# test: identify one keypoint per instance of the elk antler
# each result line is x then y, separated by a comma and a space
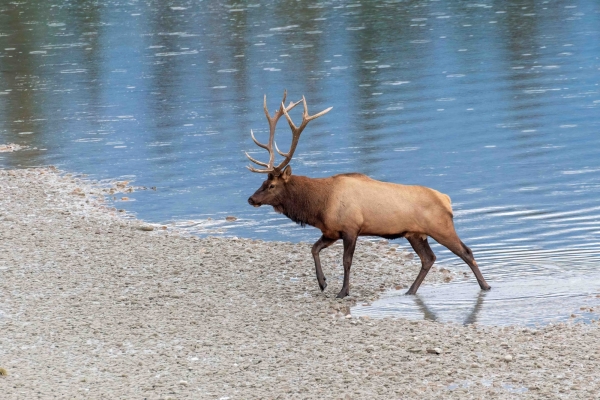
269, 146
296, 131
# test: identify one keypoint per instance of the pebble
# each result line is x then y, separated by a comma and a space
508, 358
147, 228
231, 218
9, 148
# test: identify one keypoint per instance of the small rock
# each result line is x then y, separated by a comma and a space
78, 191
414, 350
230, 218
124, 198
348, 316
435, 350
183, 383
146, 228
9, 148
508, 358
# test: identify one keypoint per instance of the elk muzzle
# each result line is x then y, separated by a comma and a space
252, 202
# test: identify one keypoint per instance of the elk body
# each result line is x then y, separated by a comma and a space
347, 206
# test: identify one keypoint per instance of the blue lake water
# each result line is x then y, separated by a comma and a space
496, 103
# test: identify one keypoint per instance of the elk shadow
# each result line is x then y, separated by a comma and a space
471, 318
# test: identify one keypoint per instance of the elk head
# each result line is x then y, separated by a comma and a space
271, 191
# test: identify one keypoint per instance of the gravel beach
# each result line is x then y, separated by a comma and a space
96, 305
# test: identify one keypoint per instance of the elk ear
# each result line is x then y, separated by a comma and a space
286, 173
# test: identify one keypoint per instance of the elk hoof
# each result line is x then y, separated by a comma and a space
341, 294
410, 292
323, 286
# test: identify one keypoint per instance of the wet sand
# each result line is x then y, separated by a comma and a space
95, 305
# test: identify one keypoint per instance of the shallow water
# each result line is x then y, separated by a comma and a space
531, 301
494, 103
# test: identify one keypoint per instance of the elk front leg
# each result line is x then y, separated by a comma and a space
349, 246
319, 245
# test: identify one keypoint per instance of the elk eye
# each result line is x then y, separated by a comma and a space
271, 186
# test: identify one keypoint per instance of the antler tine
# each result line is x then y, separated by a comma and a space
265, 104
279, 151
256, 161
276, 116
309, 118
263, 171
259, 144
319, 114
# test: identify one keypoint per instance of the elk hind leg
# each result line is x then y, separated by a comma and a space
421, 247
455, 245
319, 245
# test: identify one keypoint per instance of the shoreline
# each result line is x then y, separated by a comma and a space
96, 305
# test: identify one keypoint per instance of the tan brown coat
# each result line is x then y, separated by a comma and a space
347, 206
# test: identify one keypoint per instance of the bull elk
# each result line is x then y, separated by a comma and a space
347, 206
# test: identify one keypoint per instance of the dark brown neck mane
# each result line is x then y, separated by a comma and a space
305, 199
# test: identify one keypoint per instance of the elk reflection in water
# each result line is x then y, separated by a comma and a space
537, 300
